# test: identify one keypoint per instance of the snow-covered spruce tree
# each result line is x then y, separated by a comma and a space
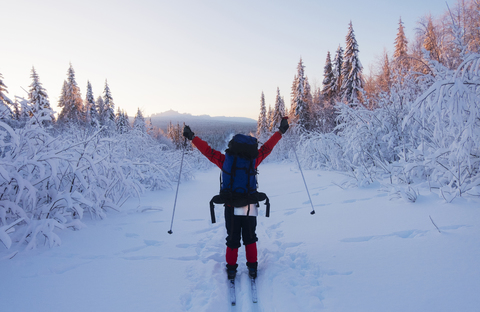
401, 43
92, 116
384, 78
101, 110
328, 83
337, 66
299, 102
5, 102
139, 123
71, 101
278, 111
108, 112
352, 83
310, 114
121, 122
262, 123
41, 111
430, 42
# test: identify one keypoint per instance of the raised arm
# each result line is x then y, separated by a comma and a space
213, 155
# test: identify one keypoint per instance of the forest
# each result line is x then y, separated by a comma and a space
414, 119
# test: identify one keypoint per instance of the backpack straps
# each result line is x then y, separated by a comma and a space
218, 199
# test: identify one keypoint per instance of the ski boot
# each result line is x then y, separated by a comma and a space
231, 271
252, 269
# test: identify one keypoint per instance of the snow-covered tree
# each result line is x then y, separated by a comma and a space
71, 101
270, 118
384, 79
41, 112
352, 83
5, 102
108, 112
337, 66
401, 43
92, 116
139, 123
175, 134
262, 123
328, 84
278, 111
430, 42
121, 122
299, 100
310, 112
101, 110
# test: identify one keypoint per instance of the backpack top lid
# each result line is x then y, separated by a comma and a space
244, 146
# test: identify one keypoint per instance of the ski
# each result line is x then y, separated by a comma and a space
233, 298
253, 283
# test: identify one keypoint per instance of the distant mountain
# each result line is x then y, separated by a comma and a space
204, 123
175, 117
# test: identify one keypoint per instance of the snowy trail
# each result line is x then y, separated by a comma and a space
359, 252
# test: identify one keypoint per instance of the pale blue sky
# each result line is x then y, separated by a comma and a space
201, 57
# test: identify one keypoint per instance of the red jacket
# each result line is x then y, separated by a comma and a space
218, 158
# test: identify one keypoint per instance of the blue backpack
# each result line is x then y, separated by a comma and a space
238, 180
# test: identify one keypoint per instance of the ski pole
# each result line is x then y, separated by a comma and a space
306, 187
178, 184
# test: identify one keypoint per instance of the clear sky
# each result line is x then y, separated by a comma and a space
210, 57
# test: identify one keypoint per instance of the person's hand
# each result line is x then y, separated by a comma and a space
188, 133
283, 125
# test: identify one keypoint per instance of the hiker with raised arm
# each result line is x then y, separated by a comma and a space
238, 191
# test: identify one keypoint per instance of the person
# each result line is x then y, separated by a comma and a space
238, 223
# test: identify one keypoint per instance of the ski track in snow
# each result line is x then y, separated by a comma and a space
343, 258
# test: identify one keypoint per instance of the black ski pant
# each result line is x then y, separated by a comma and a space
239, 227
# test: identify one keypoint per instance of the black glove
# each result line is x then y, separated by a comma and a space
188, 133
283, 125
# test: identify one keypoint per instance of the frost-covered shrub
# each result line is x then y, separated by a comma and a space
318, 150
49, 183
426, 128
447, 117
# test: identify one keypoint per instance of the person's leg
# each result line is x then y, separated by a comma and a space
250, 239
251, 252
233, 228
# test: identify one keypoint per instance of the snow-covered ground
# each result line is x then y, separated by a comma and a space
361, 251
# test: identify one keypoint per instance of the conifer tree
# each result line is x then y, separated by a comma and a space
15, 111
328, 90
101, 110
401, 43
352, 82
5, 102
270, 118
299, 101
385, 77
62, 100
430, 41
309, 112
121, 122
337, 72
92, 116
71, 100
278, 111
41, 111
139, 123
262, 123
108, 116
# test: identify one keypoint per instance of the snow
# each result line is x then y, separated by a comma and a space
361, 251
